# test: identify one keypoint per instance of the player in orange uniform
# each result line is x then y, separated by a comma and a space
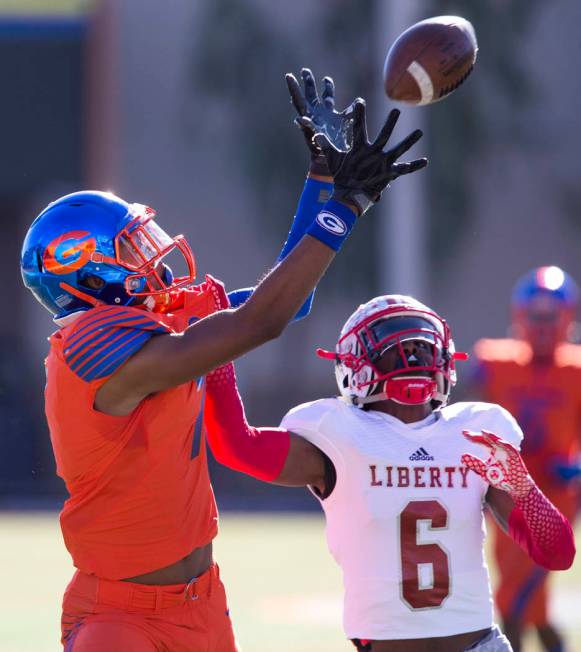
125, 388
537, 378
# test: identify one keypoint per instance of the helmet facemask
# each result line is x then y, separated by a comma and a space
141, 247
401, 352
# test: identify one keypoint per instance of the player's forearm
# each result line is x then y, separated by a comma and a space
534, 522
259, 452
317, 190
542, 531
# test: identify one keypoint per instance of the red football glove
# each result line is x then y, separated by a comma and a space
504, 469
535, 523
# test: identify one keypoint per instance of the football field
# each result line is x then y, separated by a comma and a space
284, 589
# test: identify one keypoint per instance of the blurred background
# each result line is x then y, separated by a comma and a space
182, 106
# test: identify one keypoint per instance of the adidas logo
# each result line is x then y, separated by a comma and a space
421, 455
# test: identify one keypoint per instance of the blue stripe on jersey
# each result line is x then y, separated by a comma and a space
96, 353
526, 593
95, 349
138, 322
111, 362
87, 320
197, 438
90, 345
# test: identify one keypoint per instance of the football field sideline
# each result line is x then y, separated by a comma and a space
284, 588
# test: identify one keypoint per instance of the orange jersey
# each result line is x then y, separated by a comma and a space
546, 401
140, 494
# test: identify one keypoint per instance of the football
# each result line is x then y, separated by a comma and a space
430, 60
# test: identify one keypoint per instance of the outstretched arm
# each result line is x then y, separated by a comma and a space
270, 454
165, 361
520, 506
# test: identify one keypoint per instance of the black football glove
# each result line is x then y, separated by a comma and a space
318, 115
362, 173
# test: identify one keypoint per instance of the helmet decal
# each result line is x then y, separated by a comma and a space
69, 252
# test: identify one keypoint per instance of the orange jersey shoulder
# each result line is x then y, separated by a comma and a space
569, 355
502, 350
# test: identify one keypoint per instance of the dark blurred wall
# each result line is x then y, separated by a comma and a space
41, 148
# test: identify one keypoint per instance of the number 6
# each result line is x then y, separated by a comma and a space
418, 556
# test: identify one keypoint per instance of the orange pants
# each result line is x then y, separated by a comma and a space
521, 594
113, 616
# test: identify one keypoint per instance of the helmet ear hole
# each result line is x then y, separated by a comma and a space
92, 282
39, 261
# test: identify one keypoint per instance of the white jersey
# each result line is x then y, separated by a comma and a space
405, 519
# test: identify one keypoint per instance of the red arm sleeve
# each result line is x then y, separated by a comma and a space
542, 531
259, 452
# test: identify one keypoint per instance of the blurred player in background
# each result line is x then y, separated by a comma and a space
126, 389
391, 464
537, 377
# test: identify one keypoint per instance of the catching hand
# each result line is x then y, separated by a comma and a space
363, 172
318, 115
504, 469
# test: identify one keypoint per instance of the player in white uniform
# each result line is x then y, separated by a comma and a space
402, 485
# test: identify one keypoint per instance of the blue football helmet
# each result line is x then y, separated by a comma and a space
550, 281
544, 303
90, 248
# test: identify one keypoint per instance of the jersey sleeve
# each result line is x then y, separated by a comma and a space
101, 340
310, 421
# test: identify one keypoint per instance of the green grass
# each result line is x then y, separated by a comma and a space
284, 589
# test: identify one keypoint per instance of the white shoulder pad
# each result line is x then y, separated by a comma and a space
317, 422
478, 416
306, 416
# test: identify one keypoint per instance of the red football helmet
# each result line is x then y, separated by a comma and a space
375, 328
